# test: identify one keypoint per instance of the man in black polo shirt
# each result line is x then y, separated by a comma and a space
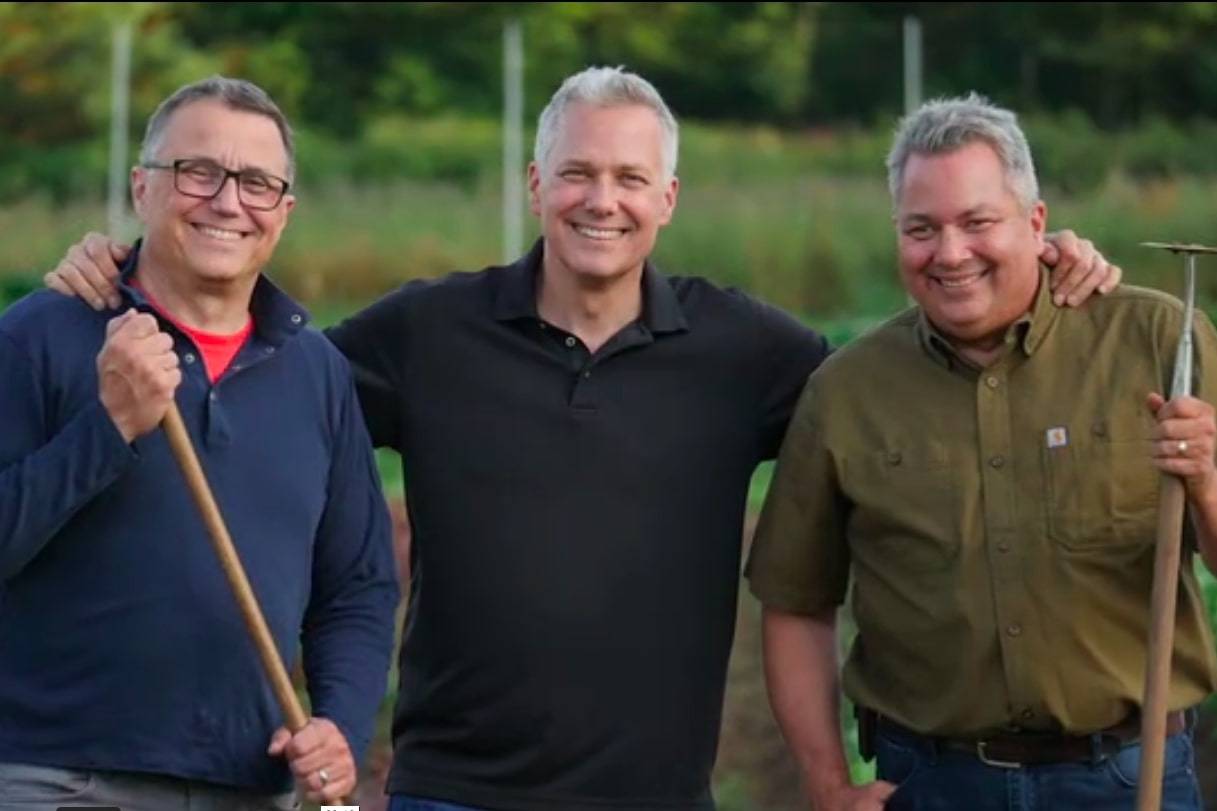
578, 432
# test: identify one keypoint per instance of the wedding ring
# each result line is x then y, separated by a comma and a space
1182, 447
323, 776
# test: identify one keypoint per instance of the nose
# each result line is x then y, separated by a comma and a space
601, 197
952, 250
227, 200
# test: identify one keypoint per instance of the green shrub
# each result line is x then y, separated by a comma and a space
1072, 154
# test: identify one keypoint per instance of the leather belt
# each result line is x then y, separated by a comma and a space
1015, 750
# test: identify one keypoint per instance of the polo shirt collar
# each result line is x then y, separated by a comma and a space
517, 294
1028, 332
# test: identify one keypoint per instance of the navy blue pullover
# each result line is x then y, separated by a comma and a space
121, 646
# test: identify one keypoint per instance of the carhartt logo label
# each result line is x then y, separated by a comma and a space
1057, 437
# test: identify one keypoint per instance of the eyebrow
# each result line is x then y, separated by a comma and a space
210, 159
983, 209
578, 163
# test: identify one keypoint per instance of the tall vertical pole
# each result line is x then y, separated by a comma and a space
120, 92
912, 74
912, 64
513, 140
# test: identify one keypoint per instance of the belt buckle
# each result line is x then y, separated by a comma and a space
982, 754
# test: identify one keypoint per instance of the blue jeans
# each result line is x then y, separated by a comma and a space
932, 777
400, 802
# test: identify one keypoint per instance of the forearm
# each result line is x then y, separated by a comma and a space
801, 674
346, 662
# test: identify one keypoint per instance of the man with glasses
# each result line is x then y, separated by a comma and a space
127, 678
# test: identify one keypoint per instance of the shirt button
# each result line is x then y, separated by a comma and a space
1003, 547
296, 319
997, 461
213, 397
992, 382
1028, 714
894, 458
542, 325
270, 350
1099, 429
1014, 629
570, 341
586, 375
188, 357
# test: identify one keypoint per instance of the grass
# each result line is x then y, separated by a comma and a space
821, 247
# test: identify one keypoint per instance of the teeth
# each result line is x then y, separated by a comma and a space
219, 233
959, 281
599, 233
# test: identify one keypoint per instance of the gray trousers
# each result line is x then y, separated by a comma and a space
44, 788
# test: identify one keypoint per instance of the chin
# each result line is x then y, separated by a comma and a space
220, 273
601, 275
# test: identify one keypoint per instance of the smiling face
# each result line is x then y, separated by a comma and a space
968, 248
216, 241
602, 194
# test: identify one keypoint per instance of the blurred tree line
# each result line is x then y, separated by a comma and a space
360, 73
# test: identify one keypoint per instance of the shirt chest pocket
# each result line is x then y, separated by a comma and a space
1100, 494
906, 507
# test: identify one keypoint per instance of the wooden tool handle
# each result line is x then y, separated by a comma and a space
183, 450
1160, 643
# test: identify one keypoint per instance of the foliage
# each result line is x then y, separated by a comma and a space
357, 78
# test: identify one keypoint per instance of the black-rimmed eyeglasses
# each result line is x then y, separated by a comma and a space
203, 178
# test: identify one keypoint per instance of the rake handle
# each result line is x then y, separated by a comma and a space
255, 622
1160, 643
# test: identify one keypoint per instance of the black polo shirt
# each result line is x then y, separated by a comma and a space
576, 527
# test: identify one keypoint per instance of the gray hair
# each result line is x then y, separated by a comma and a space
606, 87
944, 125
236, 94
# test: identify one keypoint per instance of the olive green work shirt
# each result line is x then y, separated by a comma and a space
999, 523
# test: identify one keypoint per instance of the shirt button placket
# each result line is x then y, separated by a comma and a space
1000, 525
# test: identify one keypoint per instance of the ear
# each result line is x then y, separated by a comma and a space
288, 203
669, 200
534, 185
1039, 222
139, 189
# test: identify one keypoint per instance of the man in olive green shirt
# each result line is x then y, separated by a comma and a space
985, 466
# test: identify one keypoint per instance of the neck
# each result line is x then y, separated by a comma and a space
985, 350
217, 307
592, 310
983, 355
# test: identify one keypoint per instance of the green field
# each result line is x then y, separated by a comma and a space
821, 247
